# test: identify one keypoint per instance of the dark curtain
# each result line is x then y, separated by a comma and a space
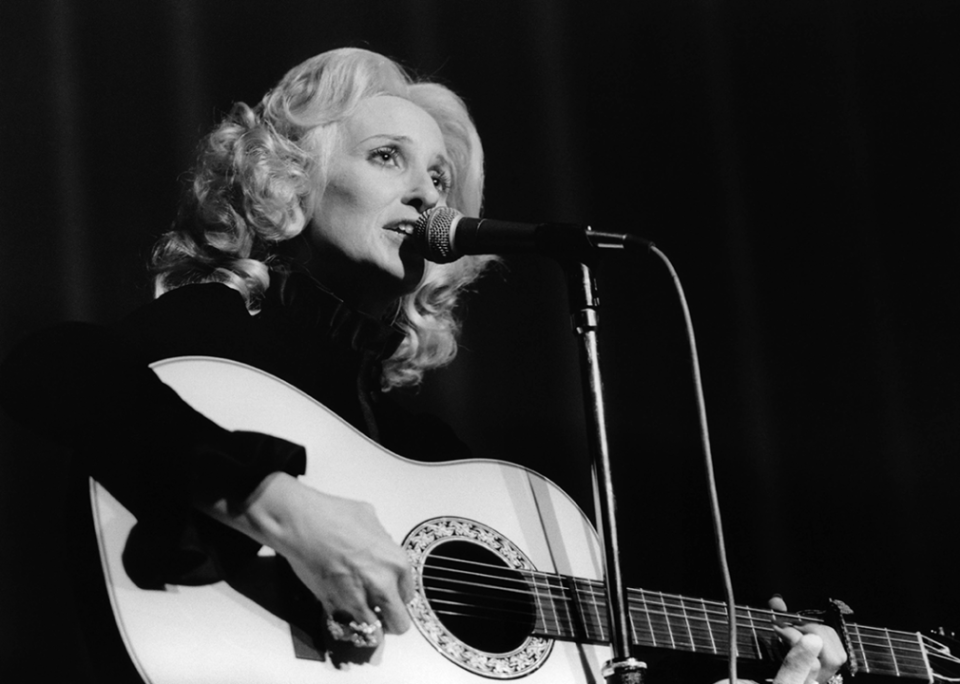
798, 162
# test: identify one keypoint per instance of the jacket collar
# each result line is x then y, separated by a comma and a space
314, 308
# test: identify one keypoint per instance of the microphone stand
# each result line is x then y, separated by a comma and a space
584, 306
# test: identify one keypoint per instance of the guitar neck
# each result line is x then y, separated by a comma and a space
575, 610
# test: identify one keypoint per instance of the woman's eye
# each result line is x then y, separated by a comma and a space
442, 182
385, 155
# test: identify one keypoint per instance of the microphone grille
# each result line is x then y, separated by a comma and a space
433, 234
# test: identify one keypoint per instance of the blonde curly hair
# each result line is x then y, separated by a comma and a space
259, 169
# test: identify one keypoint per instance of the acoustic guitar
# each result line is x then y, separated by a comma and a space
508, 569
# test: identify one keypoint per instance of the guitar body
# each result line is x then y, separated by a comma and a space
215, 633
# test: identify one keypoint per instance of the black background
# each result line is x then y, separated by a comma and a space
797, 161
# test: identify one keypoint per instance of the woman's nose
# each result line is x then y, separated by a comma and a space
423, 193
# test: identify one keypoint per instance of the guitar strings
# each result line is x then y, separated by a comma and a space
882, 661
551, 614
675, 616
590, 590
594, 589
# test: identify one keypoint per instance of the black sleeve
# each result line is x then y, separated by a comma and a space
90, 388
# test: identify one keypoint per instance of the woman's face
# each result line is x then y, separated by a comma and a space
390, 165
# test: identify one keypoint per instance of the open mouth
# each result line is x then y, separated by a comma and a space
402, 227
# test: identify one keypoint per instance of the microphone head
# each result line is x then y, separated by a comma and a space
433, 234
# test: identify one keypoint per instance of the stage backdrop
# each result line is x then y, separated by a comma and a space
798, 162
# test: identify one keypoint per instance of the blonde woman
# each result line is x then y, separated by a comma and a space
289, 253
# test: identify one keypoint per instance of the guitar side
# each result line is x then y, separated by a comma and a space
213, 633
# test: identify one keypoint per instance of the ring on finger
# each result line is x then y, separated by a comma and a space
360, 634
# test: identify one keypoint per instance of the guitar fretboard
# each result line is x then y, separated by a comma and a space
575, 609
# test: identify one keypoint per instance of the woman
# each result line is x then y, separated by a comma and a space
290, 253
340, 159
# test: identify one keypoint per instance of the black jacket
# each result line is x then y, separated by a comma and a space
92, 389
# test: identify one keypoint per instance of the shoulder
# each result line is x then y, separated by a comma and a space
198, 300
205, 319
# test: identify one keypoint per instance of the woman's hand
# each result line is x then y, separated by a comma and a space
801, 664
816, 652
336, 546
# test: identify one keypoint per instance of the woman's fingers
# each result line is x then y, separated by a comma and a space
391, 589
777, 603
802, 662
380, 578
832, 656
393, 612
830, 652
366, 595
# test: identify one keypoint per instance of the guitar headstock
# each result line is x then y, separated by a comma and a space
944, 664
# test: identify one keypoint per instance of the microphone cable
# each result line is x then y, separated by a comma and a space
708, 462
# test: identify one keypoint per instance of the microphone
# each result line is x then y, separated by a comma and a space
443, 234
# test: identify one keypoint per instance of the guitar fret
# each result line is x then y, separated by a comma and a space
748, 637
896, 667
598, 604
590, 609
652, 641
633, 637
677, 619
665, 619
717, 616
854, 631
549, 611
601, 619
538, 599
576, 624
880, 653
574, 618
580, 597
554, 590
706, 620
698, 621
760, 640
589, 626
723, 636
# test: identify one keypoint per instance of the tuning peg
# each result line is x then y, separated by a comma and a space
949, 633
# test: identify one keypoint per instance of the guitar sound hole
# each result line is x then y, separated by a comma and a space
478, 598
